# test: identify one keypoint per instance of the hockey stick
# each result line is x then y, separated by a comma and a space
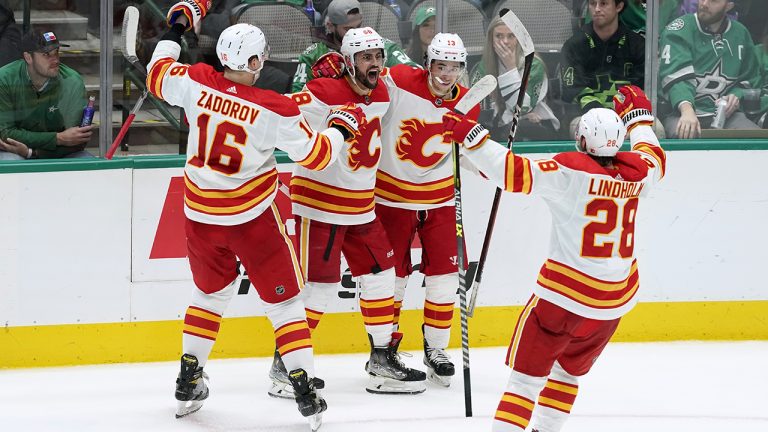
130, 30
526, 44
474, 96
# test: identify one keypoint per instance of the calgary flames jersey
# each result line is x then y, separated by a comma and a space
230, 176
343, 193
416, 171
591, 270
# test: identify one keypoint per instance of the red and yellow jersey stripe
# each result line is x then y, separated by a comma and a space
329, 198
156, 74
586, 290
518, 177
656, 153
392, 189
219, 202
320, 155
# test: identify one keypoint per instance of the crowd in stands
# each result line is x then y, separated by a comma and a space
709, 51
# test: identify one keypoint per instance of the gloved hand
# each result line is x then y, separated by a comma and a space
464, 131
329, 65
633, 106
194, 10
347, 118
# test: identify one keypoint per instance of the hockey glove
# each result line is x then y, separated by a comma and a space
194, 10
633, 106
347, 119
329, 65
465, 131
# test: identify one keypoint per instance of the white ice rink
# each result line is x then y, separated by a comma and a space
659, 387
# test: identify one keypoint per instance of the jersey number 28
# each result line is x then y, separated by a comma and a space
613, 214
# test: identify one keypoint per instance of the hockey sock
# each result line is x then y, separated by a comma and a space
202, 321
438, 309
292, 336
200, 330
400, 284
316, 298
555, 400
377, 304
516, 406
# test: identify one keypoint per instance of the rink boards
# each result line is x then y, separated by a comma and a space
93, 266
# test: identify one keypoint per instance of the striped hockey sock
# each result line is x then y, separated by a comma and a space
201, 327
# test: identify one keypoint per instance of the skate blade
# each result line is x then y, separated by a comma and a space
281, 391
315, 421
443, 381
383, 385
186, 408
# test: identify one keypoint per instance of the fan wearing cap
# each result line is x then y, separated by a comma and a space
340, 17
423, 32
41, 103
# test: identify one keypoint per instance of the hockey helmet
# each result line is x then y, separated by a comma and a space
360, 39
238, 44
447, 47
603, 132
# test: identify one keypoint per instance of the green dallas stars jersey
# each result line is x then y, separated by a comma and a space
700, 67
395, 56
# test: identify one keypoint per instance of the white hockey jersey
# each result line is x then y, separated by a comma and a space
343, 193
416, 170
591, 270
230, 176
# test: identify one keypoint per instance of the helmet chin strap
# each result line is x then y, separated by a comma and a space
437, 78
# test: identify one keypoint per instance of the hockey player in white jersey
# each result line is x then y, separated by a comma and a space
230, 184
414, 184
334, 211
590, 279
414, 188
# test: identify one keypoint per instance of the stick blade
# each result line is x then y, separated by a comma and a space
517, 27
476, 94
130, 31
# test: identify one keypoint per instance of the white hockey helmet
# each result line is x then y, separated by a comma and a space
238, 44
603, 132
360, 39
447, 47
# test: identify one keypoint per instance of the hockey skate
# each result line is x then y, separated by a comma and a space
440, 369
281, 385
191, 387
387, 373
311, 405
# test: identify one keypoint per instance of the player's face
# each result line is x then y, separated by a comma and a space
503, 37
44, 64
427, 31
445, 74
604, 12
368, 65
712, 11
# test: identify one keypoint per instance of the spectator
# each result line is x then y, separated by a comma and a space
706, 57
761, 51
42, 101
503, 58
10, 37
633, 16
600, 58
340, 17
423, 32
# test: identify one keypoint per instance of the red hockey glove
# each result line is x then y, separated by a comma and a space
194, 10
466, 132
329, 65
347, 118
633, 106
